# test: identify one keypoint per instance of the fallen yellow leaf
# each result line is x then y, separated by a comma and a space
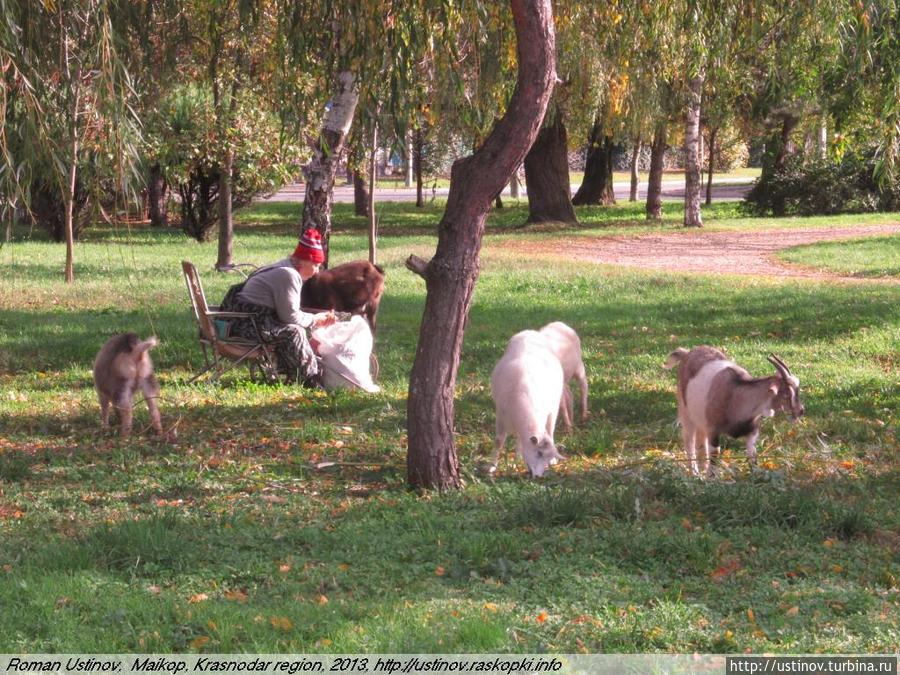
751, 616
238, 596
490, 606
542, 617
198, 597
793, 611
322, 600
281, 622
439, 571
198, 642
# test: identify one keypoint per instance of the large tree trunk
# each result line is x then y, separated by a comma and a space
450, 275
597, 184
654, 180
157, 197
635, 169
327, 154
712, 158
226, 216
547, 175
692, 181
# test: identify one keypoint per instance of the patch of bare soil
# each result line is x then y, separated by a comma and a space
710, 252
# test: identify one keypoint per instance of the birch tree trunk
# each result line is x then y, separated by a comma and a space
692, 181
409, 159
451, 274
327, 154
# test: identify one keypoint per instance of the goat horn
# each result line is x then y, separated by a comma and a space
780, 365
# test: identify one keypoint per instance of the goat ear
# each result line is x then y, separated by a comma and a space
534, 440
773, 388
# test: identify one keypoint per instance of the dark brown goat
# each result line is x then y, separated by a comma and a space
354, 287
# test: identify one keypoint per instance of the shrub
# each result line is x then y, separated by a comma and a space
823, 187
186, 143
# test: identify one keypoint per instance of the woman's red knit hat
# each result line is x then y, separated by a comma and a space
310, 247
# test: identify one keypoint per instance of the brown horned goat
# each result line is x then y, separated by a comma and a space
354, 287
716, 396
121, 369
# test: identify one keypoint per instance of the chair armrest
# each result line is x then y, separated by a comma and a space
229, 315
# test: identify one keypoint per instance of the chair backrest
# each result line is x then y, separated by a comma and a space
198, 301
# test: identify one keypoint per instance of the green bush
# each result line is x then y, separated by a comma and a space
823, 187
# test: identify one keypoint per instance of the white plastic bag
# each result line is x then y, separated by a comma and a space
345, 348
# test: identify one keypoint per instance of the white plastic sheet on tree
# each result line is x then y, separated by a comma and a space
346, 348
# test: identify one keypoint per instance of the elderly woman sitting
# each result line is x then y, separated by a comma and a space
272, 295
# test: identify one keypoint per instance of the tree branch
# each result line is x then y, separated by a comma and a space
416, 264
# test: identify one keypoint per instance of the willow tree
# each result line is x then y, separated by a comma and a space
67, 91
451, 273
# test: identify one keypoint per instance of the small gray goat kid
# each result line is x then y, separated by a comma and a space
716, 396
123, 367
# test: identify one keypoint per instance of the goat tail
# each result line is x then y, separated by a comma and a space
676, 357
145, 346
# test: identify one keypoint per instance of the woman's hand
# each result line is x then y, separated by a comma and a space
324, 319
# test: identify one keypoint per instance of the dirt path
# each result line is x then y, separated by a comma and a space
722, 252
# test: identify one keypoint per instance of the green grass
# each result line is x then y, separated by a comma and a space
870, 257
232, 540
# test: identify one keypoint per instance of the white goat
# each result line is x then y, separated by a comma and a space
565, 343
526, 386
716, 396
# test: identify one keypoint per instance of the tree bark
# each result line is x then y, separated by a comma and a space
158, 205
451, 274
597, 184
70, 209
654, 181
419, 144
692, 216
373, 180
823, 140
409, 158
547, 175
788, 123
327, 154
226, 216
360, 194
712, 153
635, 172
